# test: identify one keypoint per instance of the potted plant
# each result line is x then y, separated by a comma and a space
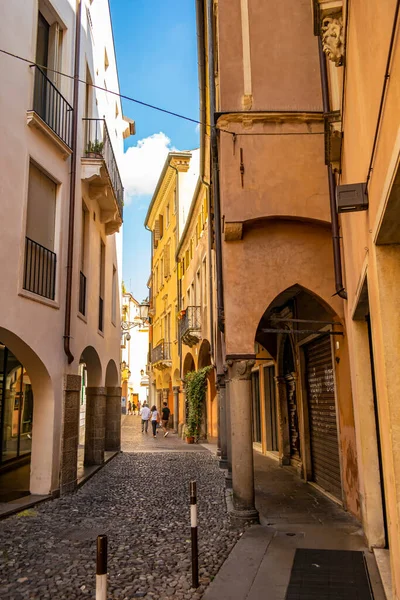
95, 149
196, 386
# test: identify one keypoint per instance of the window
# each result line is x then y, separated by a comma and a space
198, 289
49, 43
114, 297
161, 225
204, 283
191, 249
167, 216
40, 258
156, 279
167, 261
106, 61
175, 200
101, 284
82, 276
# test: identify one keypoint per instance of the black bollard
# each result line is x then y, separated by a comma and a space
101, 568
193, 525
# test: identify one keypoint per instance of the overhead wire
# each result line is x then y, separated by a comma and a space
152, 106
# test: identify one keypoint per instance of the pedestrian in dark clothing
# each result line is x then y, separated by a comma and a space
165, 418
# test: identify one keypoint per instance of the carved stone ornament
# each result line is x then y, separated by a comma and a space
333, 38
240, 369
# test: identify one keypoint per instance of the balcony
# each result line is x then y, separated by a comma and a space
100, 170
190, 325
39, 270
51, 113
161, 356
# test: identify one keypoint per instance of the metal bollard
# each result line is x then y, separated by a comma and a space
101, 568
193, 525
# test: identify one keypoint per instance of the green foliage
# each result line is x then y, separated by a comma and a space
196, 386
95, 147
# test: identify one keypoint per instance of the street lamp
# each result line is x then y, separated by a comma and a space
139, 321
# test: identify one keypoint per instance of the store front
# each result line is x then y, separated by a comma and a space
16, 409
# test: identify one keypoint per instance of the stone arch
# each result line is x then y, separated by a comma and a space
43, 469
204, 359
93, 366
176, 379
112, 375
188, 364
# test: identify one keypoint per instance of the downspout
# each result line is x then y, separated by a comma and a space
337, 262
203, 117
215, 170
71, 224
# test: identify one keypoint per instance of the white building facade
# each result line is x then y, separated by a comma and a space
62, 202
135, 348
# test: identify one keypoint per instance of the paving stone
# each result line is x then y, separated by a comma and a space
140, 500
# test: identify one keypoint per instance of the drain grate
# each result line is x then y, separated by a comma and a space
328, 575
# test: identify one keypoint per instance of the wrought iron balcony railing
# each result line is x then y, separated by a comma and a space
39, 269
98, 145
161, 352
52, 107
82, 293
190, 320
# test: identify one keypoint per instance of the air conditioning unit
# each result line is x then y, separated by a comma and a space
351, 197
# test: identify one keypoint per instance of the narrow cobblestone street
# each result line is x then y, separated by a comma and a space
140, 500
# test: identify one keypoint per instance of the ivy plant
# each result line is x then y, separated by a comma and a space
196, 387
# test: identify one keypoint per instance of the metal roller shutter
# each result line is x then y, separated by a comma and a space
322, 415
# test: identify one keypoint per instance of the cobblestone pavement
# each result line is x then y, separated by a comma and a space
140, 500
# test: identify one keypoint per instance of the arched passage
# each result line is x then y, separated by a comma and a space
113, 409
94, 396
27, 416
210, 414
188, 366
304, 402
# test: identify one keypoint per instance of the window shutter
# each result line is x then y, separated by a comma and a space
161, 225
167, 261
156, 233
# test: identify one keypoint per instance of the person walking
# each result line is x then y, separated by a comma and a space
145, 414
155, 419
165, 418
129, 407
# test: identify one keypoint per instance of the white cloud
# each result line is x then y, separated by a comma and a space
141, 165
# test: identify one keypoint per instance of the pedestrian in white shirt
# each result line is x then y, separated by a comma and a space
155, 419
145, 414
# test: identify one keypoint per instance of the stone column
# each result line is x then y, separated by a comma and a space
70, 436
283, 422
240, 398
165, 394
159, 400
228, 476
175, 390
222, 425
95, 434
113, 419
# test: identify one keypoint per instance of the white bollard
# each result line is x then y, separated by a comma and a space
101, 568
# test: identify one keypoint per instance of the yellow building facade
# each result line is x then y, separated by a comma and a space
195, 276
162, 220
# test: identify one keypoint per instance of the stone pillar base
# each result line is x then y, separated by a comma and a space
113, 419
223, 463
70, 435
95, 425
238, 518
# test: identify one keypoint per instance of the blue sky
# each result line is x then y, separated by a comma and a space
156, 51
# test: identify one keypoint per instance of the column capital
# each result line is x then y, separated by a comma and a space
220, 383
176, 389
240, 369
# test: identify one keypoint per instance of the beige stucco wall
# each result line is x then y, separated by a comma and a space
32, 321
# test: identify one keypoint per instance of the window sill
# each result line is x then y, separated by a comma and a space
82, 317
101, 333
33, 120
41, 299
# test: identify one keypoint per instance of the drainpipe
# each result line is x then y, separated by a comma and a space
340, 291
71, 225
215, 171
203, 117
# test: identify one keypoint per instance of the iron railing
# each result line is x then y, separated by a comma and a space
161, 352
101, 313
98, 145
82, 293
39, 270
190, 320
52, 107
